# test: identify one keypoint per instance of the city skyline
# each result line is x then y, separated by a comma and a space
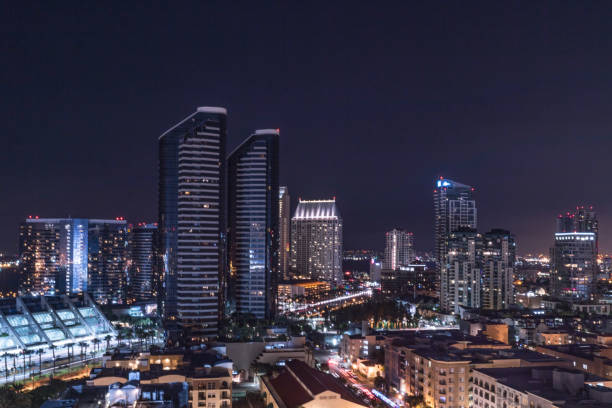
517, 97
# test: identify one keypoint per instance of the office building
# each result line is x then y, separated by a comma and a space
454, 207
316, 241
143, 280
405, 281
583, 219
399, 249
498, 258
573, 265
192, 222
460, 280
253, 221
284, 231
73, 255
108, 255
375, 270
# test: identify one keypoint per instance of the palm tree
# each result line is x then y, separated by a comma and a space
14, 366
108, 338
52, 347
30, 352
40, 353
83, 345
68, 347
96, 342
5, 356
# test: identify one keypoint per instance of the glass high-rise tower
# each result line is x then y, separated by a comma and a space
498, 258
253, 221
460, 277
74, 255
143, 283
108, 254
574, 254
454, 208
284, 231
192, 221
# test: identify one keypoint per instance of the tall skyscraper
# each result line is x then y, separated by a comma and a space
39, 254
399, 249
143, 283
460, 282
581, 220
454, 207
498, 257
316, 240
108, 260
74, 255
192, 222
574, 254
284, 231
253, 220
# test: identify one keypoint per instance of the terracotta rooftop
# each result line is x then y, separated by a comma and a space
298, 383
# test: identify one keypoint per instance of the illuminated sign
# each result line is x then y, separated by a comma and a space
443, 183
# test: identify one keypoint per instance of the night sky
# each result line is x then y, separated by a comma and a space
373, 104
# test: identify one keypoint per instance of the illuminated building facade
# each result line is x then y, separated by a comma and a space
191, 221
498, 258
108, 256
316, 241
39, 255
253, 223
399, 249
460, 281
454, 207
50, 324
284, 231
57, 257
143, 283
574, 264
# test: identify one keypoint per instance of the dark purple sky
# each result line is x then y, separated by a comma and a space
373, 103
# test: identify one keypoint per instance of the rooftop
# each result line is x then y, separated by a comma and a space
316, 210
298, 383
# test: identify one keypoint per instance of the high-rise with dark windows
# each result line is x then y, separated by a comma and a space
284, 232
574, 254
143, 283
454, 208
253, 223
498, 257
108, 255
192, 221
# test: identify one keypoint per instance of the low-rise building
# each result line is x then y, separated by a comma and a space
355, 347
590, 358
299, 385
437, 367
206, 375
246, 355
544, 387
369, 369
